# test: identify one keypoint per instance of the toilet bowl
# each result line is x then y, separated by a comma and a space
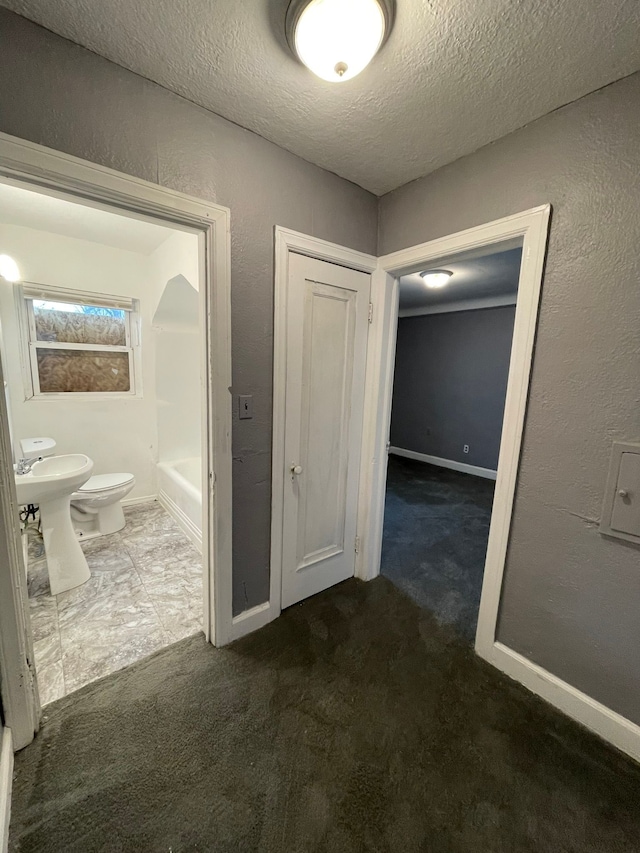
96, 509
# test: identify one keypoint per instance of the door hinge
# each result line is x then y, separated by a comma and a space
371, 312
357, 545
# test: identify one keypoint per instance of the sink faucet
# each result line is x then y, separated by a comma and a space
24, 465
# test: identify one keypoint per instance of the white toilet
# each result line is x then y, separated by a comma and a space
95, 508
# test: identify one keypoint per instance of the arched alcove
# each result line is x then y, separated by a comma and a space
176, 325
178, 308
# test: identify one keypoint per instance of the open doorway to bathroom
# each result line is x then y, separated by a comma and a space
101, 337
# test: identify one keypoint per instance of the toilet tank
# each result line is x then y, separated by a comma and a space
32, 448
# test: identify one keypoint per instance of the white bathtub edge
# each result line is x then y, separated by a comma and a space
182, 519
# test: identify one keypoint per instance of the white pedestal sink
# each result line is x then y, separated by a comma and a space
50, 484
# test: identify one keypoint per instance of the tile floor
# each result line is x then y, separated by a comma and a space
144, 593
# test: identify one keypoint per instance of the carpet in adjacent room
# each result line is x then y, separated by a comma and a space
436, 528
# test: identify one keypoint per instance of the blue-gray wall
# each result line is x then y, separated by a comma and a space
450, 383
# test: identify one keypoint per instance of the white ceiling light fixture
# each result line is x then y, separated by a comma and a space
337, 39
9, 269
436, 278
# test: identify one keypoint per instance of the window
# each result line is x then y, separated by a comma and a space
82, 345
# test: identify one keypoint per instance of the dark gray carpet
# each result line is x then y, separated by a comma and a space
436, 527
352, 723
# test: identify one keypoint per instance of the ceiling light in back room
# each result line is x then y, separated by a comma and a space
337, 39
436, 278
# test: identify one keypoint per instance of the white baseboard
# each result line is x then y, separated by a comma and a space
609, 725
145, 499
6, 779
488, 473
252, 619
182, 519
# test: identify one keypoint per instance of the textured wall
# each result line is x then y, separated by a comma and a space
63, 96
571, 597
452, 76
450, 383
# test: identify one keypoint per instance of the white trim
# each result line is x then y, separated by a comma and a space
70, 296
18, 685
287, 241
6, 780
463, 305
56, 173
487, 473
322, 250
252, 619
215, 250
608, 724
381, 348
531, 228
78, 347
182, 519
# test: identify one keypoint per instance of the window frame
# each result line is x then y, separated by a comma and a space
30, 345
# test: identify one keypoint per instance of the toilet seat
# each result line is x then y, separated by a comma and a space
104, 483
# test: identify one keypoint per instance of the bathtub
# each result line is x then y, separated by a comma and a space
180, 493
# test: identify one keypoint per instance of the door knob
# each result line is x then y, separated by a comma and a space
296, 469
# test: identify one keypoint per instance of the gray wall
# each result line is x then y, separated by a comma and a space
571, 599
450, 383
58, 94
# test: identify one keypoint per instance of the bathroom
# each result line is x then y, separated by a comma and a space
101, 345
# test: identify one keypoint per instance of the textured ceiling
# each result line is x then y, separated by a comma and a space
453, 76
58, 216
494, 275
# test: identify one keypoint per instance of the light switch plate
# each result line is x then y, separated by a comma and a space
245, 406
621, 505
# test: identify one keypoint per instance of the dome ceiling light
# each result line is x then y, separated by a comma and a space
436, 278
337, 39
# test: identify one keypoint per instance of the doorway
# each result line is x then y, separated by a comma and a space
95, 340
101, 348
523, 238
526, 231
453, 347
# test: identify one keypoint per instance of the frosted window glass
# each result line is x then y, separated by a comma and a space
78, 371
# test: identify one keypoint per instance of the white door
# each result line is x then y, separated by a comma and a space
326, 340
18, 689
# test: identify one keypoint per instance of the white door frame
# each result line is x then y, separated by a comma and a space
529, 229
54, 172
287, 241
